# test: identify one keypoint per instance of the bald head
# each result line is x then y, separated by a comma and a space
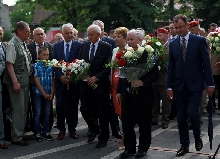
38, 34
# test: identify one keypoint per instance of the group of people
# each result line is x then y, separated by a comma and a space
180, 87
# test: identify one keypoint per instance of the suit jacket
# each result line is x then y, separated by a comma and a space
145, 92
195, 71
102, 56
58, 54
109, 41
32, 49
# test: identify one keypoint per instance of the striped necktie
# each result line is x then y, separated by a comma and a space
183, 48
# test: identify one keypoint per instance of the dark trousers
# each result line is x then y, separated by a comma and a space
6, 109
29, 118
188, 104
96, 106
67, 100
137, 110
217, 84
113, 118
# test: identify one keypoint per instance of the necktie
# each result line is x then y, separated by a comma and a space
183, 48
92, 52
28, 59
67, 51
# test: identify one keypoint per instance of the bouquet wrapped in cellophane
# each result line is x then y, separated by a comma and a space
134, 63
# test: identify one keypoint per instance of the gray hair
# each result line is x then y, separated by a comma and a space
37, 29
96, 27
68, 25
139, 33
98, 22
202, 29
58, 35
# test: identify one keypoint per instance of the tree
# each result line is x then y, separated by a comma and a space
7, 36
207, 11
130, 13
22, 12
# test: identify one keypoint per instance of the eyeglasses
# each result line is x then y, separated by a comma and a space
180, 27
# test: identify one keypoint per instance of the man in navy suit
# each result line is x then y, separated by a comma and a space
67, 99
95, 102
189, 68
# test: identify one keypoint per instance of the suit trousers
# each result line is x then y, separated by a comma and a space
136, 110
2, 134
67, 100
188, 104
19, 104
160, 94
96, 106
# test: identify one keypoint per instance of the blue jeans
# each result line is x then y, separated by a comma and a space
41, 111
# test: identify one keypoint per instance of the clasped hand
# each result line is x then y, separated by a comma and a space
64, 79
136, 83
91, 80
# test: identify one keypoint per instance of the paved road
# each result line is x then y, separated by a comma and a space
164, 145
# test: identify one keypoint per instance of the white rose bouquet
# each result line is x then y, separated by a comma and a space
214, 38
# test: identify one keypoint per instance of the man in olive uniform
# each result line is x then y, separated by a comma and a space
18, 70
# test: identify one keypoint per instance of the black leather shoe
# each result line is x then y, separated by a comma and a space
182, 151
101, 144
91, 138
127, 154
164, 126
117, 134
198, 144
140, 154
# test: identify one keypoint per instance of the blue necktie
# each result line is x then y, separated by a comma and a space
67, 51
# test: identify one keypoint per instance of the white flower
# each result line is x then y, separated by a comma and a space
211, 38
128, 54
149, 48
218, 34
130, 49
141, 49
216, 39
218, 48
158, 43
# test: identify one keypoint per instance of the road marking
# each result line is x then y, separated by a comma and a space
154, 133
42, 153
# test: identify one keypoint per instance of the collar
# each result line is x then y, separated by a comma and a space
70, 43
96, 44
186, 37
19, 40
38, 44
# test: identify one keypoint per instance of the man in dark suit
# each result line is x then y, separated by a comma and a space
113, 117
95, 102
67, 98
189, 68
38, 36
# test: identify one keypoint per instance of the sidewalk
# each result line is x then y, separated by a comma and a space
165, 143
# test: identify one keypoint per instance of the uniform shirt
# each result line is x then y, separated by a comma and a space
45, 75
